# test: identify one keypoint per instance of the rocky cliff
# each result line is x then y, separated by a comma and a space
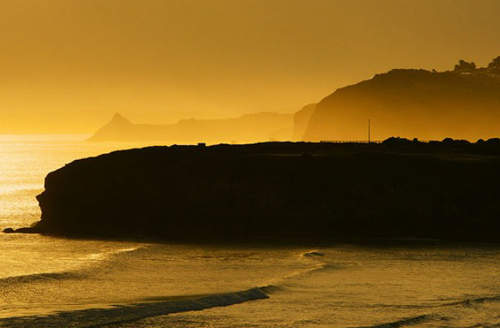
280, 191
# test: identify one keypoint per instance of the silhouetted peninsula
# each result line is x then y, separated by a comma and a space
281, 191
463, 103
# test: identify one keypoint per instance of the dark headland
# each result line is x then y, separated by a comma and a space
281, 191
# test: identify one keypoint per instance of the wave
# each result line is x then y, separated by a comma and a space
312, 254
315, 266
406, 321
464, 302
76, 273
132, 312
474, 301
104, 255
433, 316
37, 277
119, 313
296, 274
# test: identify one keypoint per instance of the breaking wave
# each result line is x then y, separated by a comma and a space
405, 322
77, 273
131, 312
312, 254
473, 301
120, 313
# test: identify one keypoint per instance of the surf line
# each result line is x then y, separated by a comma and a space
97, 317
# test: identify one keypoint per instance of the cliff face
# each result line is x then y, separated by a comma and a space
412, 103
278, 191
247, 128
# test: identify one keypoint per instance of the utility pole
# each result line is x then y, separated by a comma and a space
369, 127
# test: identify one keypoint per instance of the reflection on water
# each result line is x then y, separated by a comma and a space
348, 286
25, 160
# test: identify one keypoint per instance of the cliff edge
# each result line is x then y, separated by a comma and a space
280, 191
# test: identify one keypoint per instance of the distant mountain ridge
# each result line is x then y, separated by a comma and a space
463, 103
246, 128
430, 105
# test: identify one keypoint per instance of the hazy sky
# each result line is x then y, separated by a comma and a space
68, 65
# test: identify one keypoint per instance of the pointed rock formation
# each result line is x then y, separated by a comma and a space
246, 128
114, 129
118, 119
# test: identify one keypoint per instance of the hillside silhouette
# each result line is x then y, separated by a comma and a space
280, 191
301, 121
463, 103
246, 128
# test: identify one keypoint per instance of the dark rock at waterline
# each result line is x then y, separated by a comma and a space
22, 230
27, 230
441, 190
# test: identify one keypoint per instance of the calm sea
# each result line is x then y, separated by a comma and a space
56, 282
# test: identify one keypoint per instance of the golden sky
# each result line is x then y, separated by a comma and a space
68, 65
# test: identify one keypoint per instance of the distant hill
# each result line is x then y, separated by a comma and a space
301, 121
246, 128
463, 103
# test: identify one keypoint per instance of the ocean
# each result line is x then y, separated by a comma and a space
57, 282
